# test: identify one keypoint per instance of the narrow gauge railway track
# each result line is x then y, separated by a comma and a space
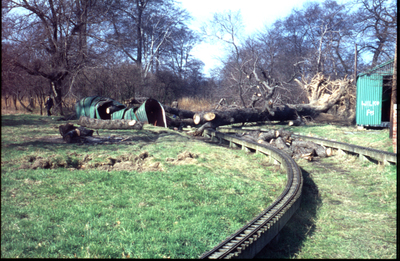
256, 234
363, 152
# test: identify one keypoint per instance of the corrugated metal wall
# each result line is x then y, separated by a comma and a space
369, 94
369, 99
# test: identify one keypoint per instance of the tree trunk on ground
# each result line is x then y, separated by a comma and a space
282, 140
72, 134
281, 113
291, 112
110, 124
319, 150
183, 114
322, 93
267, 136
179, 123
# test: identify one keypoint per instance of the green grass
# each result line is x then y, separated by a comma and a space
179, 201
173, 205
372, 138
348, 210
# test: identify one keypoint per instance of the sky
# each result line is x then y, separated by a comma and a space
255, 14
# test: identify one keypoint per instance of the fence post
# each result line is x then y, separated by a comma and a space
395, 128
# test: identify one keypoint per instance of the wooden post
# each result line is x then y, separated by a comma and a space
355, 64
395, 128
394, 92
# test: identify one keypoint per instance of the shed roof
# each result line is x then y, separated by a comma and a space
385, 68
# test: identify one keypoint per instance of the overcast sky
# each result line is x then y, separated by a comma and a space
255, 14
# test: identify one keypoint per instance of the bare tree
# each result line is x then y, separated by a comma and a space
155, 20
377, 25
226, 27
52, 38
179, 50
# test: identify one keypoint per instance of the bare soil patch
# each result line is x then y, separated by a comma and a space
127, 162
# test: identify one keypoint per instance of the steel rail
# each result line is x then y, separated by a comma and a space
256, 234
363, 152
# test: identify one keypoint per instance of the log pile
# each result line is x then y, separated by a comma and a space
283, 140
73, 134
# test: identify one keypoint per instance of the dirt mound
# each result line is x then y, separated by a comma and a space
185, 157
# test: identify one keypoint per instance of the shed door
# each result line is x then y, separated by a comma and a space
369, 100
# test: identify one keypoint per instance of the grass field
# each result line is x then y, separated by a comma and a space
348, 208
348, 211
161, 194
167, 195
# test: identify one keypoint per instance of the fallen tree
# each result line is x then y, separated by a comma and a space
110, 124
322, 94
73, 134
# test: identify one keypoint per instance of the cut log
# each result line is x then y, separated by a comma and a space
203, 117
183, 114
280, 144
286, 135
209, 116
329, 152
112, 109
83, 132
196, 119
110, 124
295, 123
319, 150
179, 123
254, 134
267, 136
307, 156
232, 116
263, 142
71, 133
302, 152
200, 130
64, 129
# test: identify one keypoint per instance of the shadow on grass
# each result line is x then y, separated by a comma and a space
26, 119
299, 227
52, 143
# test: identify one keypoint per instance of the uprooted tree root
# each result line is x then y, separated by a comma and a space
337, 97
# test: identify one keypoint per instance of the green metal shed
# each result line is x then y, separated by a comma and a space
374, 89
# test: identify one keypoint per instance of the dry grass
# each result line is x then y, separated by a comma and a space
194, 104
70, 103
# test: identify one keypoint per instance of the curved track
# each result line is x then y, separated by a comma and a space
251, 238
363, 152
256, 234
